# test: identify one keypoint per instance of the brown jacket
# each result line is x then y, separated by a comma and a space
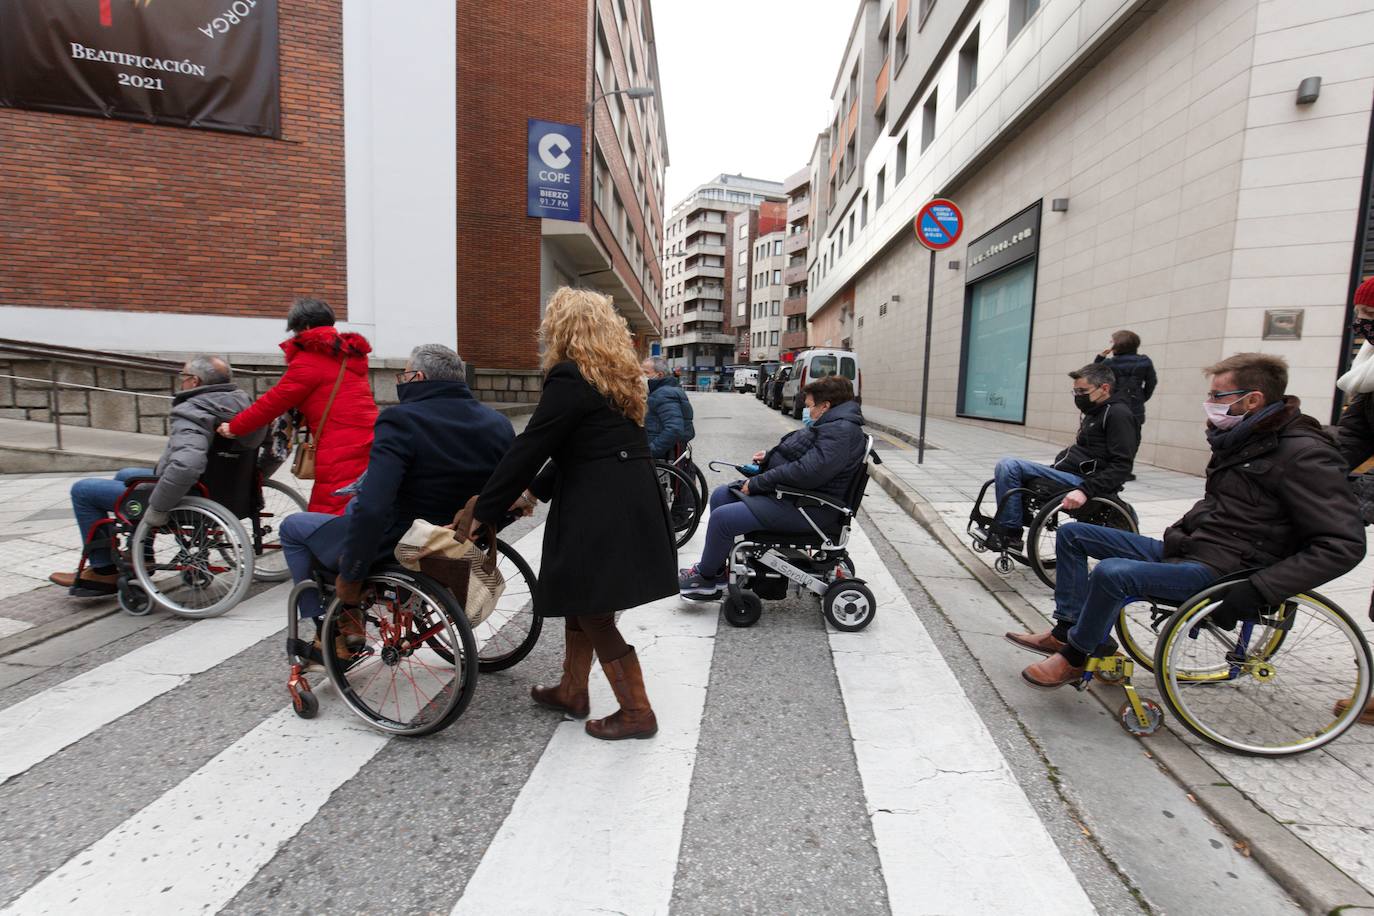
1278, 501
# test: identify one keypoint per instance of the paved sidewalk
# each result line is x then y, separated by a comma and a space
1326, 797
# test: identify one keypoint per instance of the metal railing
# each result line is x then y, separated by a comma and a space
54, 408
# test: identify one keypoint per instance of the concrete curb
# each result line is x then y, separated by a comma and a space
1317, 884
897, 433
26, 639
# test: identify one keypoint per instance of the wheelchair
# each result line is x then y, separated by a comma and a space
203, 561
411, 655
684, 492
1267, 686
1042, 515
767, 565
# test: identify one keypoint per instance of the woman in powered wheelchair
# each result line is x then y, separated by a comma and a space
793, 510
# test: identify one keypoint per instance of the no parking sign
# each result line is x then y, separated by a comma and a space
939, 224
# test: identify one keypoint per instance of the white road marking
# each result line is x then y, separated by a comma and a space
955, 832
598, 825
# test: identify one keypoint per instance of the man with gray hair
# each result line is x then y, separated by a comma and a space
207, 397
430, 453
1097, 464
668, 419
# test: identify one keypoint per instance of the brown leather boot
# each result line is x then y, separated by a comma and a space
1366, 717
1053, 672
1043, 643
570, 695
634, 718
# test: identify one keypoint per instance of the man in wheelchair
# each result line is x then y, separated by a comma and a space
207, 397
1276, 499
1097, 464
822, 457
430, 454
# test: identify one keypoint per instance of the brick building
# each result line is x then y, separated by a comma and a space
396, 192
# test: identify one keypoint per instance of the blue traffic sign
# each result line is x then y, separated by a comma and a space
939, 224
553, 185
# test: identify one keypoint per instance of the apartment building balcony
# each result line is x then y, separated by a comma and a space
703, 291
794, 305
687, 338
701, 224
796, 242
699, 248
700, 271
695, 316
793, 340
798, 209
792, 275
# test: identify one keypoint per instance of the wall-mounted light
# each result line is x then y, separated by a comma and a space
896, 298
1060, 205
953, 265
1309, 89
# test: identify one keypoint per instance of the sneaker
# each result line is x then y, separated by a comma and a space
692, 584
1001, 539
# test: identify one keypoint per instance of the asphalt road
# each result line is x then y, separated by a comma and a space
901, 769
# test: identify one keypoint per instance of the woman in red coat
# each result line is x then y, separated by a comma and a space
313, 357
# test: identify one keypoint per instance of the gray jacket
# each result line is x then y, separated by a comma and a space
195, 414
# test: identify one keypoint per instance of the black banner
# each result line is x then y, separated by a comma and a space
194, 63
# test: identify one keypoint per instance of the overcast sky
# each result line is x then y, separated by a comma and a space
746, 84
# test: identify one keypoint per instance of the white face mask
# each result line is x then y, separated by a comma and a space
1218, 415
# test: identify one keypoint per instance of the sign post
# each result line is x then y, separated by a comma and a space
938, 226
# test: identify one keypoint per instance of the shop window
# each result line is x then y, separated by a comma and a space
997, 337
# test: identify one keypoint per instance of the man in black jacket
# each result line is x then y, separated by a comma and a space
1276, 501
430, 454
1097, 464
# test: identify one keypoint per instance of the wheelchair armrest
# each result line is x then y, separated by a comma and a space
807, 498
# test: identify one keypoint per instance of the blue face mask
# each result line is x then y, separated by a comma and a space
807, 421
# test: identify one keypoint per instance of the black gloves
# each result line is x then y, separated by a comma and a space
1242, 602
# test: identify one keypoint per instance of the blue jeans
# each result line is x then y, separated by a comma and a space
92, 500
296, 529
1010, 473
730, 518
1132, 566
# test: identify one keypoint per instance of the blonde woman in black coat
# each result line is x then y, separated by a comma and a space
608, 542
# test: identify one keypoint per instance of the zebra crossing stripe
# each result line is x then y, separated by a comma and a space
603, 819
939, 792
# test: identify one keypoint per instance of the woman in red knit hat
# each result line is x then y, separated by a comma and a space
1355, 433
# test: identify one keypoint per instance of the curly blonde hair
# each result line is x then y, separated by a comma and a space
583, 326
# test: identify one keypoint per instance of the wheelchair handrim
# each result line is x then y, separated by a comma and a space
200, 555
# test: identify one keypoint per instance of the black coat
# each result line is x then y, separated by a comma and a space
431, 453
668, 421
608, 541
1355, 432
1135, 379
822, 458
1103, 453
1277, 500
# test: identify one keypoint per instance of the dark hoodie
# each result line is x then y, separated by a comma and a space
1276, 499
1103, 453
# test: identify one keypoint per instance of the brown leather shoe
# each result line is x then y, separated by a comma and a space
1043, 643
90, 583
1366, 717
570, 695
634, 718
1053, 672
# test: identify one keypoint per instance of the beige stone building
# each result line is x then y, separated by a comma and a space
1140, 165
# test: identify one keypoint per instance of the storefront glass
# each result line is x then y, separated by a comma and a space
997, 337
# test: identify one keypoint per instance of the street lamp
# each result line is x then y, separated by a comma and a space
634, 92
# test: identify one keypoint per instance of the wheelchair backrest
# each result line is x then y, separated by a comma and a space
230, 477
855, 497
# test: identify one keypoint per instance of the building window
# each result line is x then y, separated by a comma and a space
882, 189
777, 248
901, 159
863, 213
773, 339
777, 307
903, 43
777, 277
1018, 14
743, 258
851, 228
997, 333
928, 120
968, 68
924, 10
743, 231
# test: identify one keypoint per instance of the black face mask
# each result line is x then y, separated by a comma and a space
1084, 402
1363, 327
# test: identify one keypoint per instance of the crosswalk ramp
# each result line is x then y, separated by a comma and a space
510, 810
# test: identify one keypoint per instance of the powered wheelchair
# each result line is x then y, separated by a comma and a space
1041, 517
1281, 680
202, 562
766, 565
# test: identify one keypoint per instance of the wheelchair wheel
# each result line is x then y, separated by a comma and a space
741, 608
684, 505
199, 565
278, 501
305, 704
396, 680
133, 600
1137, 629
848, 605
510, 633
703, 494
1045, 527
1268, 687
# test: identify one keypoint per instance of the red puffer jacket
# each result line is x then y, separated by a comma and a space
312, 366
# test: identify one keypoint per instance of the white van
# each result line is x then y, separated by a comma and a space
813, 364
746, 379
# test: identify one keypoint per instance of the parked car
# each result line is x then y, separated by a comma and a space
767, 371
818, 363
746, 379
775, 389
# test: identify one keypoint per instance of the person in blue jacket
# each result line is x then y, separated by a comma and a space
668, 423
430, 454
